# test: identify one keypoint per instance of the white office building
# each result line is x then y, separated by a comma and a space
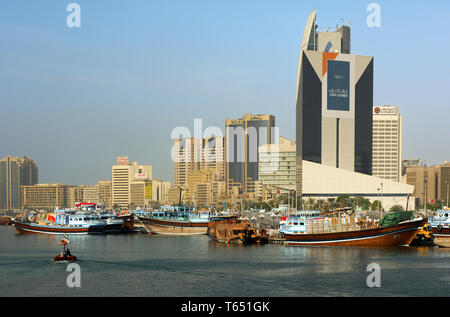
387, 143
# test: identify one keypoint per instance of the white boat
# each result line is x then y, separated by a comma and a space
296, 223
440, 226
79, 221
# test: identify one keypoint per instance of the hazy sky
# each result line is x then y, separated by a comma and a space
74, 99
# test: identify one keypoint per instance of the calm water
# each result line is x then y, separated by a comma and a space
141, 265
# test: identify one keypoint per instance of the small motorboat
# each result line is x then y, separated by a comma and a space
68, 258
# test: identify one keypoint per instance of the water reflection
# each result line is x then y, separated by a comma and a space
345, 259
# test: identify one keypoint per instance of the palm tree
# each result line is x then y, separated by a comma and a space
310, 203
376, 205
396, 208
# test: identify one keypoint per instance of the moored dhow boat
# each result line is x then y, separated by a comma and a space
26, 226
440, 226
230, 229
74, 222
348, 232
183, 221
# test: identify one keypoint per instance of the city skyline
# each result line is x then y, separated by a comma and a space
75, 99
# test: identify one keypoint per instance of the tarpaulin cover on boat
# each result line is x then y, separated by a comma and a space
394, 218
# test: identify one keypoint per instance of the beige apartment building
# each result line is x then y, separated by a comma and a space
104, 189
186, 158
160, 190
45, 196
74, 195
123, 173
431, 183
174, 196
140, 193
210, 194
90, 194
387, 143
205, 175
192, 154
50, 196
203, 189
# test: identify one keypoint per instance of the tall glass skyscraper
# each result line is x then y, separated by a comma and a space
243, 137
334, 102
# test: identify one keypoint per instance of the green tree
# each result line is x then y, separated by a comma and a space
435, 205
396, 208
362, 202
376, 205
343, 201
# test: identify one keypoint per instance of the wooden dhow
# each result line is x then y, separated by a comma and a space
176, 223
397, 235
232, 230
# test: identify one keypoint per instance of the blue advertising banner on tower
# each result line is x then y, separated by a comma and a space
338, 85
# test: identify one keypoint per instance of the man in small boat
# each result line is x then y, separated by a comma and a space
64, 242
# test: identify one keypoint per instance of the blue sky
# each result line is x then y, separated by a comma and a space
74, 99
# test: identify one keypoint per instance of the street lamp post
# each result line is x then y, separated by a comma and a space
446, 182
425, 195
296, 201
378, 196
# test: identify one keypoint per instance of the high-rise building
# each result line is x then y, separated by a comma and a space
175, 196
140, 193
410, 163
209, 194
187, 157
334, 102
243, 137
14, 173
192, 154
104, 188
160, 190
277, 166
214, 156
122, 174
74, 195
387, 143
201, 176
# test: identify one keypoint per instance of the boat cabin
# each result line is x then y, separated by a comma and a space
442, 219
296, 223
